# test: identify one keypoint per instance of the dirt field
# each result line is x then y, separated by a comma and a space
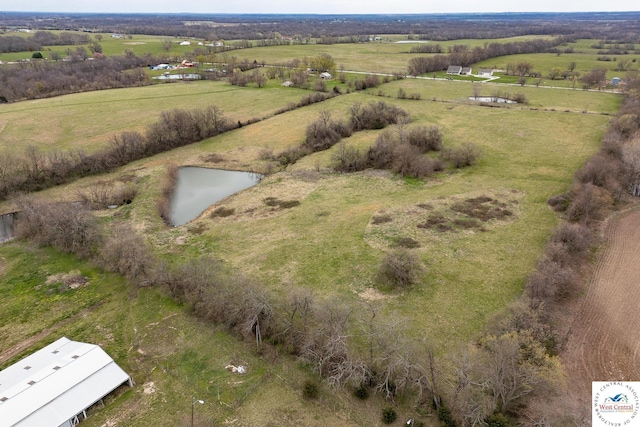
603, 342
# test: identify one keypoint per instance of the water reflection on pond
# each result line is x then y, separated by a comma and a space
199, 188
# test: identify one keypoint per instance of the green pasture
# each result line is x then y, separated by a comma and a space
139, 44
170, 355
327, 243
90, 119
544, 62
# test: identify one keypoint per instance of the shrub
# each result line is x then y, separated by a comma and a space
408, 161
589, 203
498, 419
389, 415
576, 238
104, 194
126, 253
376, 115
446, 418
465, 155
400, 269
380, 155
425, 138
222, 212
310, 389
168, 186
362, 392
348, 159
64, 226
559, 203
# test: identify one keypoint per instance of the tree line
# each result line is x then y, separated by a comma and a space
465, 56
37, 79
37, 170
612, 26
41, 39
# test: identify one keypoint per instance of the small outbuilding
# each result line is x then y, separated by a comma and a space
57, 384
486, 72
615, 81
465, 71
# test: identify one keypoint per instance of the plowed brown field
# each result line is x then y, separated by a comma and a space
604, 340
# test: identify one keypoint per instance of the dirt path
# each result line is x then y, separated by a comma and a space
19, 348
604, 340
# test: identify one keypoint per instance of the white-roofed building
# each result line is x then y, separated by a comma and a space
57, 384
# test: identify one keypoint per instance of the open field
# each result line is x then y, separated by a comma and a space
329, 243
599, 345
89, 119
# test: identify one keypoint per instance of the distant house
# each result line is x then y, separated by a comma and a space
486, 72
57, 384
615, 81
325, 76
454, 69
185, 43
465, 71
117, 36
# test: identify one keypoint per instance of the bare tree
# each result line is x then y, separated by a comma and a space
631, 162
476, 90
166, 44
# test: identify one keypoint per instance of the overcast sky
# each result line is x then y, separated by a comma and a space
316, 6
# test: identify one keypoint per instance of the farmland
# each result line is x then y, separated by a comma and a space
328, 243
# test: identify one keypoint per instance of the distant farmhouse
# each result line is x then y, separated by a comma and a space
454, 69
57, 384
486, 72
459, 70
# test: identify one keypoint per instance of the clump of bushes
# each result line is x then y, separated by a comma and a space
400, 269
282, 204
104, 194
465, 155
222, 212
167, 188
310, 389
389, 415
68, 227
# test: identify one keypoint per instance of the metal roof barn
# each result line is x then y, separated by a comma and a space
57, 384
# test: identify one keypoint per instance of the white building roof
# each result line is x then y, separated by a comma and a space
56, 383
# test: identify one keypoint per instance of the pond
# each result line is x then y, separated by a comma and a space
492, 99
198, 188
6, 227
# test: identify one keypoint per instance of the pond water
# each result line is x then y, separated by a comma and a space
492, 99
6, 227
199, 188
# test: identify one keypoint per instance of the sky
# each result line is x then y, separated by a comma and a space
317, 6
